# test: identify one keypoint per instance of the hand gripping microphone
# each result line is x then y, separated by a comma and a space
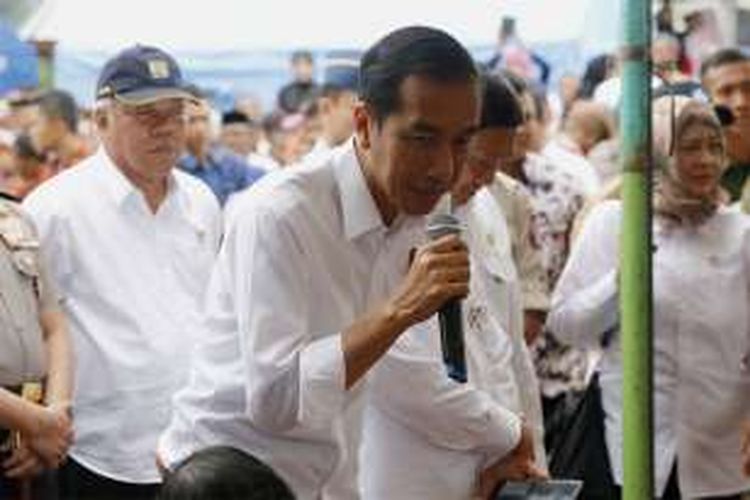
449, 315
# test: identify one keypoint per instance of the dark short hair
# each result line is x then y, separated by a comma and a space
302, 55
722, 57
24, 149
226, 473
500, 105
414, 50
236, 116
60, 104
595, 73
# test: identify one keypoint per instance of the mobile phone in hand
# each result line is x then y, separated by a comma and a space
553, 489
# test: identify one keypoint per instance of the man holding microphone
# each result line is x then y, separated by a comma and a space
321, 271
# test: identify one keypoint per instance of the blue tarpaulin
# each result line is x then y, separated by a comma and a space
226, 74
19, 67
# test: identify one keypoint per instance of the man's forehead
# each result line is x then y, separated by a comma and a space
728, 73
162, 104
422, 97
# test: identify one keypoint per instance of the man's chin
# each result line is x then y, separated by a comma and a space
422, 206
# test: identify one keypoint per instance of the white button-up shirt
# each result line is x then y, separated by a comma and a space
701, 334
132, 283
305, 255
427, 437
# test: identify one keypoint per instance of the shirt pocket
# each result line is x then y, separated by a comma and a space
192, 257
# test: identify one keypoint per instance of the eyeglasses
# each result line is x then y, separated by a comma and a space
156, 113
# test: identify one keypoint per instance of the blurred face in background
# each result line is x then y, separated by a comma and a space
22, 117
10, 180
729, 85
665, 54
198, 131
488, 149
303, 69
337, 115
45, 132
289, 139
242, 138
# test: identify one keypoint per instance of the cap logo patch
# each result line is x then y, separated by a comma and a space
158, 68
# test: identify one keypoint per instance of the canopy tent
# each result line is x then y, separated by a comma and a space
242, 46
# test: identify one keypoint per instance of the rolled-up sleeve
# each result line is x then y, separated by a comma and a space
585, 300
295, 380
411, 386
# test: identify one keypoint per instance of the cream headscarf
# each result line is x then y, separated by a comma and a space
672, 199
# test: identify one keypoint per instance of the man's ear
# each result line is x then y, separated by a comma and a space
363, 123
101, 119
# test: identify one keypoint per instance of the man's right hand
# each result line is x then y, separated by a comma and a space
438, 272
51, 435
516, 466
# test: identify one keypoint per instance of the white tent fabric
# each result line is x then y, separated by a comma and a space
241, 46
277, 24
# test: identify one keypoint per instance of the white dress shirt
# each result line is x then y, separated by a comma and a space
428, 437
132, 283
305, 255
318, 152
701, 334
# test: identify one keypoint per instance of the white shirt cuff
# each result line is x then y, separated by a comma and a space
323, 382
507, 432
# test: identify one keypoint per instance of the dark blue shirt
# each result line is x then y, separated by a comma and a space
223, 171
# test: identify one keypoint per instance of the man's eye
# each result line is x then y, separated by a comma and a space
420, 138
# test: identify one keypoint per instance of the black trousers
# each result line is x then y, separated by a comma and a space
672, 491
41, 487
79, 483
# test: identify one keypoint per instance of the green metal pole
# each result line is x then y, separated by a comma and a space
46, 51
635, 256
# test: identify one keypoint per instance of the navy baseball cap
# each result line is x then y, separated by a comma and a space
341, 70
142, 75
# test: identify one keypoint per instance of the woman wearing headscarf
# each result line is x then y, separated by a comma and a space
701, 279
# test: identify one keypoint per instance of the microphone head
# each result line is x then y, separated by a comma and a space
442, 224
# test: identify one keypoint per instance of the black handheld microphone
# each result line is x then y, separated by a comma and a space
449, 316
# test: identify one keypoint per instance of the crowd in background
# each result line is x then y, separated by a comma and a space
557, 188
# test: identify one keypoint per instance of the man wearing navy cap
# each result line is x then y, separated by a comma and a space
336, 100
133, 241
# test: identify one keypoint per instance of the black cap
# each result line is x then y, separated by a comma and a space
236, 116
341, 70
142, 75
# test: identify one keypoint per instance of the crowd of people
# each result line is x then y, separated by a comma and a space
202, 303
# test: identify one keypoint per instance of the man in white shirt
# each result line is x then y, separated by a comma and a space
132, 242
426, 436
338, 94
314, 283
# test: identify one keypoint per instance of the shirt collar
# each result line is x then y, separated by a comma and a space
120, 189
359, 212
